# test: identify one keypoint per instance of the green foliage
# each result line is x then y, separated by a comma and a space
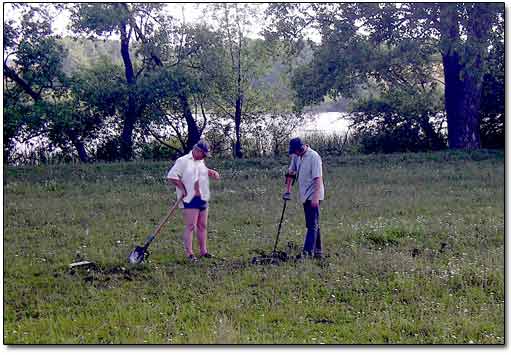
339, 67
33, 75
109, 150
401, 112
97, 19
399, 121
125, 20
384, 59
396, 45
401, 139
16, 122
157, 151
493, 95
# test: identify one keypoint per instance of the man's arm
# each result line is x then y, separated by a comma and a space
177, 182
318, 181
317, 173
290, 177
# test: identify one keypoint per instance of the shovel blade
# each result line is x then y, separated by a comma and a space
137, 255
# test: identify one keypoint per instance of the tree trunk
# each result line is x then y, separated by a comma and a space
126, 144
476, 49
130, 114
193, 129
463, 70
82, 153
79, 146
237, 124
453, 99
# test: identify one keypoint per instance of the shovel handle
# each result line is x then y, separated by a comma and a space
166, 218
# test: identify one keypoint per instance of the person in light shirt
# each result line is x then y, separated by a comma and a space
191, 177
306, 165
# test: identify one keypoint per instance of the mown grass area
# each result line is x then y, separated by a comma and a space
414, 245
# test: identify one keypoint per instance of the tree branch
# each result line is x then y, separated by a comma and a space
11, 74
160, 140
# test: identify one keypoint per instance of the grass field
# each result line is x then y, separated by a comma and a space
414, 245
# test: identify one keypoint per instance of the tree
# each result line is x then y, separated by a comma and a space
98, 20
35, 87
458, 32
239, 62
398, 120
172, 92
464, 66
142, 26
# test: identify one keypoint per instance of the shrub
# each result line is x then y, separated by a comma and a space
157, 151
109, 150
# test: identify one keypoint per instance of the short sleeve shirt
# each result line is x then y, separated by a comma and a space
189, 170
307, 167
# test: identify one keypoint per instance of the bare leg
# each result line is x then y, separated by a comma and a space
202, 231
190, 218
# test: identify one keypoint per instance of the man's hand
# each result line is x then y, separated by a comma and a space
286, 196
213, 174
314, 203
179, 184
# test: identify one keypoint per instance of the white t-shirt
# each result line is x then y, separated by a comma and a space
189, 170
308, 167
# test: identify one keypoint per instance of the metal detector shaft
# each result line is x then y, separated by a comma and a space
280, 224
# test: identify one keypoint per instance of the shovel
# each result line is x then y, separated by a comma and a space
138, 255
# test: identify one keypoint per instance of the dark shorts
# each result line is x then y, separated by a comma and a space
196, 202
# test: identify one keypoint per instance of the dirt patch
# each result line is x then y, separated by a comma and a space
322, 321
106, 278
273, 258
277, 257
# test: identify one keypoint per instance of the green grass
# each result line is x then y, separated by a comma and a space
415, 246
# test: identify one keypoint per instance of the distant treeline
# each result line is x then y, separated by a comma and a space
422, 77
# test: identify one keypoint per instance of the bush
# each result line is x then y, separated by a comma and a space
157, 151
109, 150
400, 140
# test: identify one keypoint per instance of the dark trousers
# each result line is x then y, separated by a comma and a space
312, 243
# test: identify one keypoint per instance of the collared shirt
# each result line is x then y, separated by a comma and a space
189, 170
308, 167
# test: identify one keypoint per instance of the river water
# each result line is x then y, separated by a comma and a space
326, 122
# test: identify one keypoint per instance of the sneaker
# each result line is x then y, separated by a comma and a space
192, 258
207, 255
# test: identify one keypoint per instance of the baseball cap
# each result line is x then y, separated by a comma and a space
203, 146
295, 144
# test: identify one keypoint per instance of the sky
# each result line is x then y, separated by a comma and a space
192, 13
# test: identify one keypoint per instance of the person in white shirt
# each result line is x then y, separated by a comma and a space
191, 177
307, 166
